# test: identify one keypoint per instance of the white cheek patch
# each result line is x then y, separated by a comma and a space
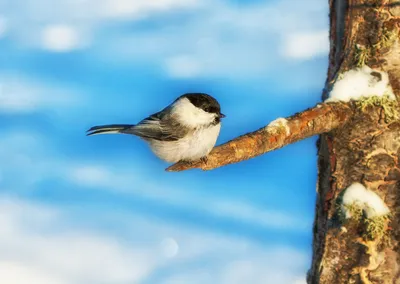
189, 115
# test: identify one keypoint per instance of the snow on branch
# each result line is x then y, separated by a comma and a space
281, 132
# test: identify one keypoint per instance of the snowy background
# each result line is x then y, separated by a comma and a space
83, 210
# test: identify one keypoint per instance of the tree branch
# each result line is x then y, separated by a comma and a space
320, 119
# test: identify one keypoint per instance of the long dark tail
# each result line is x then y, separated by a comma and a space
109, 129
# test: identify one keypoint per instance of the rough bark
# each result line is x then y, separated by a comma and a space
366, 149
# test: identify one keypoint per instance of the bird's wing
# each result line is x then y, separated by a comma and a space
159, 126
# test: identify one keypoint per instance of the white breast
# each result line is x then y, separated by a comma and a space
191, 148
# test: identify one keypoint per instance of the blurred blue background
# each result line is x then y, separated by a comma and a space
77, 209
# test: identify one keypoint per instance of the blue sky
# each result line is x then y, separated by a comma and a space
82, 210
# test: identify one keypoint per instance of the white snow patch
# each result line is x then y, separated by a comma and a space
60, 38
361, 82
372, 205
280, 122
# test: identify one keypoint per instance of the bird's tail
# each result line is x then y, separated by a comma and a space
109, 129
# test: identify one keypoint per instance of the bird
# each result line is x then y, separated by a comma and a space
186, 130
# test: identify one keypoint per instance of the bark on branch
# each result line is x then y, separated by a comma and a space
320, 119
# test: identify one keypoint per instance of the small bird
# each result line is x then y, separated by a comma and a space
186, 130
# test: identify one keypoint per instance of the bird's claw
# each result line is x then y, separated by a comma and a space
204, 159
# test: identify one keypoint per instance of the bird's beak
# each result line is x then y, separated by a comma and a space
221, 115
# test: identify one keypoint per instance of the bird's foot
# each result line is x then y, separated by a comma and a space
193, 162
204, 159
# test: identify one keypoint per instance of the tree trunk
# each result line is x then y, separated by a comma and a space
365, 150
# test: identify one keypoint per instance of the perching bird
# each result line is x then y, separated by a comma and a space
186, 130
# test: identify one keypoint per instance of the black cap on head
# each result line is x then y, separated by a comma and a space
204, 101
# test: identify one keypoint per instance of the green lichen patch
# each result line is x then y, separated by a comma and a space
389, 105
351, 211
373, 228
387, 39
376, 227
361, 55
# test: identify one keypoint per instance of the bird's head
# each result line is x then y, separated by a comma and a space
195, 109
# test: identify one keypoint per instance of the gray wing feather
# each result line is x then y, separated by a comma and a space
159, 126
